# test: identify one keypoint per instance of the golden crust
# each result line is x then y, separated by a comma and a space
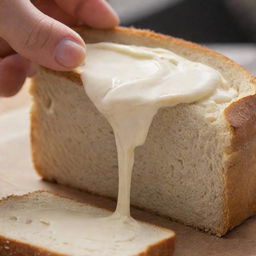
165, 247
11, 247
241, 116
72, 76
240, 169
33, 130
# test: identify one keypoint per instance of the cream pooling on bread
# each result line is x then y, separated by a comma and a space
128, 84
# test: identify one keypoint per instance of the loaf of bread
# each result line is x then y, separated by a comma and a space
44, 224
198, 163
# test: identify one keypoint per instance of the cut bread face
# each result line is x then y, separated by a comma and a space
41, 223
198, 163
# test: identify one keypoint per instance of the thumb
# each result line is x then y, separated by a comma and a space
38, 37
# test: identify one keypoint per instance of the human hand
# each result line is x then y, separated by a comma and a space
37, 32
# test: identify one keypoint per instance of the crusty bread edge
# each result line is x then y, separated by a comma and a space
12, 247
232, 218
241, 116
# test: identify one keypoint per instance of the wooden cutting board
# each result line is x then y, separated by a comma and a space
17, 176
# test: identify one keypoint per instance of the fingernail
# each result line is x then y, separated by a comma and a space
69, 53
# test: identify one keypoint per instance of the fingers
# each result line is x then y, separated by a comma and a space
50, 8
13, 73
5, 48
39, 37
95, 13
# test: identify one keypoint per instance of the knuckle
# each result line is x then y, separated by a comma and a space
4, 6
77, 10
39, 35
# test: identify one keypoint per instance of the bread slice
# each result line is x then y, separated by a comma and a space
34, 224
198, 163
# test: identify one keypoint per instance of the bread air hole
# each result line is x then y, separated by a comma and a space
28, 221
14, 218
49, 105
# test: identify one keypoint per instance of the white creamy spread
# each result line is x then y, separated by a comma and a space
129, 84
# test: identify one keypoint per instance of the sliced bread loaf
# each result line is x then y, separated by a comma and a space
44, 224
198, 163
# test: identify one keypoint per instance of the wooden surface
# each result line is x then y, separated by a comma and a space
17, 176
